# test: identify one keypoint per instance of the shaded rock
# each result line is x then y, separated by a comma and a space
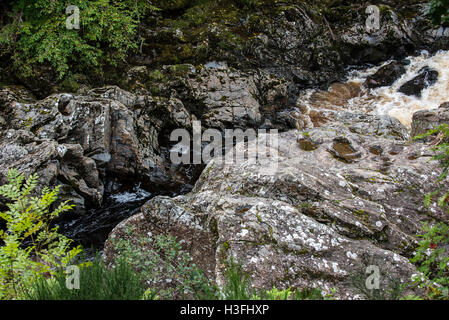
426, 78
29, 158
80, 173
219, 97
386, 75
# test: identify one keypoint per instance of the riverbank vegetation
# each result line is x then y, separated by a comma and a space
34, 258
115, 35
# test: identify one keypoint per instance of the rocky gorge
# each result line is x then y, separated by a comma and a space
349, 183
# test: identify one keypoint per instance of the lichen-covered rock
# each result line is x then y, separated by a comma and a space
314, 219
375, 125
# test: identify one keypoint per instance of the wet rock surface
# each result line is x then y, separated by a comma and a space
426, 78
386, 75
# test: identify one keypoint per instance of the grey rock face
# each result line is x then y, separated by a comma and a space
112, 131
337, 196
220, 96
76, 139
374, 125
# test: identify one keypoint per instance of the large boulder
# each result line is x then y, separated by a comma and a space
335, 199
77, 140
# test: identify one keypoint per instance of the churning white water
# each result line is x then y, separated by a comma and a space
385, 100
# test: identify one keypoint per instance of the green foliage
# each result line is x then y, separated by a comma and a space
439, 11
431, 257
442, 155
163, 262
96, 282
31, 246
238, 284
37, 34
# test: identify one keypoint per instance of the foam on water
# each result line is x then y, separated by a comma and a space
387, 100
136, 195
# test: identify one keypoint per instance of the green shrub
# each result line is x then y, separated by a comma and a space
433, 261
160, 260
96, 282
439, 11
36, 34
237, 283
31, 246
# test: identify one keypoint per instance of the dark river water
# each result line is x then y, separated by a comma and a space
121, 201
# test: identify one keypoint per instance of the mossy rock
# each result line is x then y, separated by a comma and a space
172, 5
72, 83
